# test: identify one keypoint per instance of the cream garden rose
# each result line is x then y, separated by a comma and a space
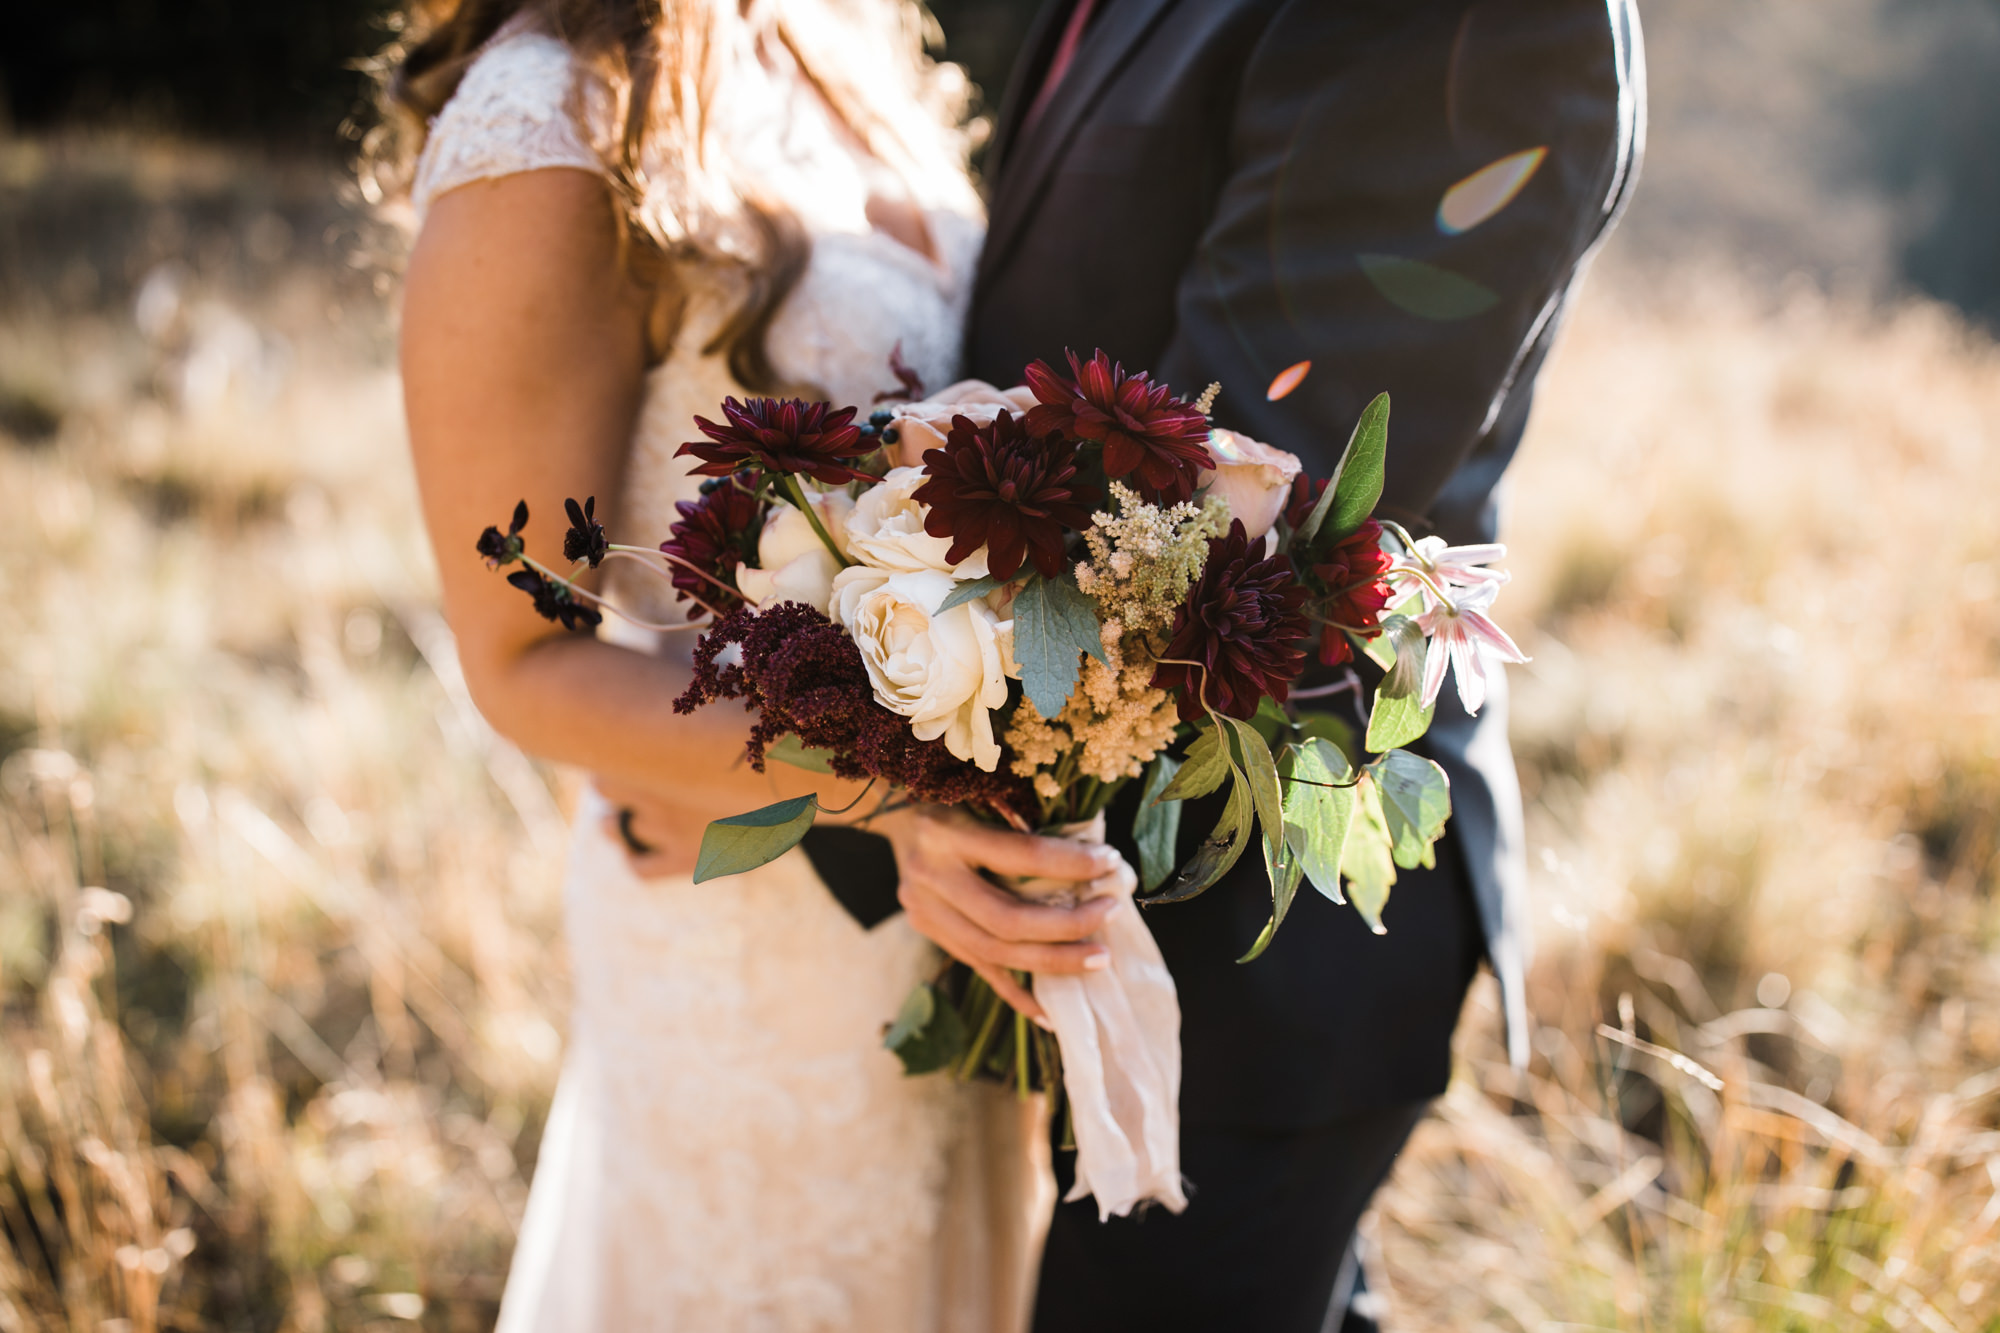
921, 426
795, 564
1254, 478
886, 531
945, 672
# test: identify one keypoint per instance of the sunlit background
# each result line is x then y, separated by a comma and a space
282, 996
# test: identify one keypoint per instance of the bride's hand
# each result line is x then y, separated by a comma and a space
661, 839
939, 854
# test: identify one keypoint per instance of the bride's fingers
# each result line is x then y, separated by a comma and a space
1001, 914
1009, 853
1013, 992
935, 917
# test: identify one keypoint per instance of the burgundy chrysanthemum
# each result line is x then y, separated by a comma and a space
1243, 621
999, 487
715, 534
800, 673
1147, 433
781, 435
1357, 593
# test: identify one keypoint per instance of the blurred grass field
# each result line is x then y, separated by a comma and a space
281, 983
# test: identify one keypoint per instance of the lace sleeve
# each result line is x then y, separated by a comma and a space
515, 111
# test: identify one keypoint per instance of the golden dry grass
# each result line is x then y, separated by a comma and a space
279, 995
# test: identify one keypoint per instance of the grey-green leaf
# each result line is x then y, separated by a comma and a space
1405, 667
970, 592
1217, 853
1205, 768
744, 842
1396, 721
1157, 826
1357, 483
789, 749
1319, 812
1365, 859
1416, 802
1053, 622
1284, 872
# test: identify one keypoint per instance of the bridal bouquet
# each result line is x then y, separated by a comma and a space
1017, 601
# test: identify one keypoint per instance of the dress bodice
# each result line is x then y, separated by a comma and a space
525, 105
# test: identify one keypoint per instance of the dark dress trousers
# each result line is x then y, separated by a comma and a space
1218, 190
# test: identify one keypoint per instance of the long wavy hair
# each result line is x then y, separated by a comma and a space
656, 65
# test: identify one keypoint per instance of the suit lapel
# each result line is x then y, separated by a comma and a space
1029, 69
1028, 162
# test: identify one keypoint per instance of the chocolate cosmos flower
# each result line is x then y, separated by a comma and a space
1145, 430
505, 549
781, 435
554, 602
999, 487
585, 539
714, 534
1242, 621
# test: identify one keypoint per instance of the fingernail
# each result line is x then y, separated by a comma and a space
1044, 1023
1108, 857
1097, 962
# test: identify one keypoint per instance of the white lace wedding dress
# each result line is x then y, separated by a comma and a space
730, 1146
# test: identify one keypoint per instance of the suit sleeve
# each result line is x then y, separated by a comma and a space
1330, 242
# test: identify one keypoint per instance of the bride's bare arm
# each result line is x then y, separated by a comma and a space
524, 362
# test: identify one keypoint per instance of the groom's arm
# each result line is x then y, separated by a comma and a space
1325, 242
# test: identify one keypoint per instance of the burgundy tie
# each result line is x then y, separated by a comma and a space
1079, 19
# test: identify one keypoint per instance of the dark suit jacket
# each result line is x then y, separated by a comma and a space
1220, 189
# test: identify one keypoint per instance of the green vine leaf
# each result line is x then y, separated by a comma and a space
1416, 800
970, 592
1205, 768
789, 749
1266, 795
1217, 853
1320, 811
928, 1034
744, 842
1396, 721
1365, 860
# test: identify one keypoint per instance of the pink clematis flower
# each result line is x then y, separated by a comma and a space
1462, 636
1452, 566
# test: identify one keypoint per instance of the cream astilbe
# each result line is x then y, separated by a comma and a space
1142, 561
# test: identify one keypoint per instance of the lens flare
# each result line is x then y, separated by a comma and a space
1287, 380
1487, 191
1427, 291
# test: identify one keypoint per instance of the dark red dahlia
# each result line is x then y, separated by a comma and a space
1357, 592
715, 534
1147, 433
1243, 621
782, 435
1013, 493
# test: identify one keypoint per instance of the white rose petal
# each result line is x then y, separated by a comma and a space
946, 673
796, 566
1254, 478
886, 531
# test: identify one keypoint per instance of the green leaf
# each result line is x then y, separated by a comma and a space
1205, 768
1053, 622
1365, 859
1380, 649
970, 592
1266, 795
1271, 722
1217, 853
1329, 727
1357, 482
789, 749
1319, 812
1396, 721
744, 842
1157, 826
1317, 517
928, 1033
1416, 798
1284, 872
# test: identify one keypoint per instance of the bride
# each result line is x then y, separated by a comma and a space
630, 210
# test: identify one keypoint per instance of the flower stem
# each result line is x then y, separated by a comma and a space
797, 493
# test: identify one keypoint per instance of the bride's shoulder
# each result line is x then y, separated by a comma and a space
520, 107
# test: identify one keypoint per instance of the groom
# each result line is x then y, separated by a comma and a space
1402, 193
